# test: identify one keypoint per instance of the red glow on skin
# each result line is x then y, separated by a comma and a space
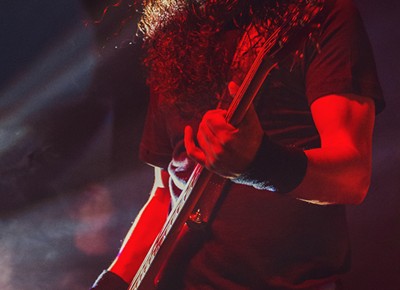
142, 235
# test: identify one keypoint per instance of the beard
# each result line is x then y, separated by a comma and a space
187, 62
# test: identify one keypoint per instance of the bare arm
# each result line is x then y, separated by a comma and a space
144, 230
337, 173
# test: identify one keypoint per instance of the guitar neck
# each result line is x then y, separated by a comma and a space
148, 275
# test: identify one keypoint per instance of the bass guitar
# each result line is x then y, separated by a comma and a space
197, 200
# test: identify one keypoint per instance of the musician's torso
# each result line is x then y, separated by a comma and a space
260, 239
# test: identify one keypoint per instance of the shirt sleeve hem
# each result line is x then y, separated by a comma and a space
344, 86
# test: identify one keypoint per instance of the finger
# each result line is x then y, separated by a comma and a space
192, 150
215, 133
216, 122
233, 88
214, 113
209, 142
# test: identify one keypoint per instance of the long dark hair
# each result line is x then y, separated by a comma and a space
187, 62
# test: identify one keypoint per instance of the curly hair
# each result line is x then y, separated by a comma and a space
187, 63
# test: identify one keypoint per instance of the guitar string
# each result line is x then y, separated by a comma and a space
294, 17
266, 47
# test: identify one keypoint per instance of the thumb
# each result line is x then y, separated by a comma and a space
233, 88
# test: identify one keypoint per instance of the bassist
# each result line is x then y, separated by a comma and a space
301, 153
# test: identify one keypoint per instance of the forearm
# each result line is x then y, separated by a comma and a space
141, 235
137, 242
339, 172
328, 175
336, 173
335, 176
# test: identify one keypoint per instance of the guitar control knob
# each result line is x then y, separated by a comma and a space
196, 217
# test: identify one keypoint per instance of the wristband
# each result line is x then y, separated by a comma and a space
109, 281
275, 168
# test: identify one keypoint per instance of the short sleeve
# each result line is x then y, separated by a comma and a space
155, 146
345, 62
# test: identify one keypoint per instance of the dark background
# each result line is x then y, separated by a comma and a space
71, 114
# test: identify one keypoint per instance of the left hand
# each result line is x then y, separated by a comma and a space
222, 148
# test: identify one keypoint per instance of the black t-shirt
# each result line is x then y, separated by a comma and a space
260, 239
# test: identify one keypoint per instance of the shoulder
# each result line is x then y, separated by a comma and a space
341, 10
341, 24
